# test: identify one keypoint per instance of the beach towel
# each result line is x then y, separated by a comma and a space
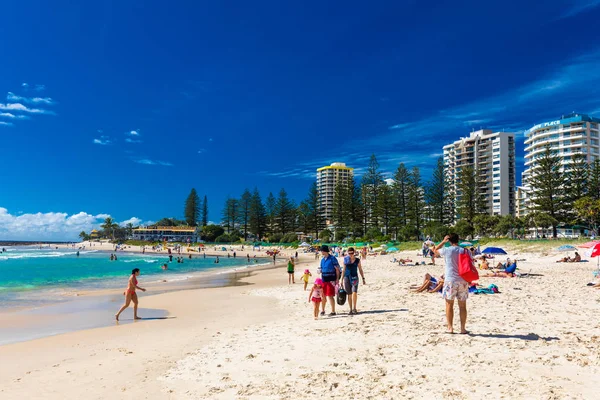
492, 289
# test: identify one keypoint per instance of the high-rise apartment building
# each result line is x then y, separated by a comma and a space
571, 135
327, 179
492, 156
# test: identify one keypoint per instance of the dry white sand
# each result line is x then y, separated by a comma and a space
538, 339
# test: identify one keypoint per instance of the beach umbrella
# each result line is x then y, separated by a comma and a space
389, 249
466, 244
493, 250
589, 245
566, 247
304, 244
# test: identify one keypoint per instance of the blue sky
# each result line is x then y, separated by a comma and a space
120, 108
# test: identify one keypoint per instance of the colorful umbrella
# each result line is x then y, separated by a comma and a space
566, 247
589, 245
493, 250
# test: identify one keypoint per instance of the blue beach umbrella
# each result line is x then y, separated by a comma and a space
566, 247
493, 250
390, 249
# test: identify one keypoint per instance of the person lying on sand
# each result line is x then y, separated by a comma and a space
509, 272
430, 284
564, 259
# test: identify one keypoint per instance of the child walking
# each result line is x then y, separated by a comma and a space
305, 277
316, 296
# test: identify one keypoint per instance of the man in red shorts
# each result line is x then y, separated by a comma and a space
330, 273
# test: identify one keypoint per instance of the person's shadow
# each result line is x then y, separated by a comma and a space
382, 311
529, 336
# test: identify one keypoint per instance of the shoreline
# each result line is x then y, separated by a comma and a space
102, 300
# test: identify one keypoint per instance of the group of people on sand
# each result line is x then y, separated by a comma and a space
576, 258
332, 278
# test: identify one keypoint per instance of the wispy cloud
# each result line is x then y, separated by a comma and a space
104, 140
21, 108
579, 6
4, 123
37, 87
29, 100
571, 86
13, 116
201, 151
146, 161
133, 136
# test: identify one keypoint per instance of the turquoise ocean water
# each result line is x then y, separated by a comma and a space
31, 276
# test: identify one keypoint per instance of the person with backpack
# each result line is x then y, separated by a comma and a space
455, 287
330, 274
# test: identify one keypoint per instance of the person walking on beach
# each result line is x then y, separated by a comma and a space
455, 287
130, 295
350, 272
290, 270
316, 296
330, 274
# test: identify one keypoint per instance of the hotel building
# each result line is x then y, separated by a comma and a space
492, 156
327, 179
186, 234
572, 134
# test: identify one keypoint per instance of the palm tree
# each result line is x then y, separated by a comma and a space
109, 225
129, 228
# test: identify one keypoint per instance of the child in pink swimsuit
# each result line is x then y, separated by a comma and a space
316, 296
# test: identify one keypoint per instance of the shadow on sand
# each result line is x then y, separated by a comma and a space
530, 336
382, 311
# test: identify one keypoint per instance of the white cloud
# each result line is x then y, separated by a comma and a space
130, 140
201, 151
2, 123
25, 85
20, 107
135, 221
53, 226
146, 161
30, 100
135, 132
104, 140
13, 116
39, 88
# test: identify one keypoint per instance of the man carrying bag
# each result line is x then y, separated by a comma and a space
455, 286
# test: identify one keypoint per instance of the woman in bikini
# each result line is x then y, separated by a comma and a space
130, 294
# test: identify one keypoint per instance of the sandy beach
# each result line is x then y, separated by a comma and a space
537, 339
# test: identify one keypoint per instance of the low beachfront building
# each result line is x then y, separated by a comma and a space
94, 234
186, 234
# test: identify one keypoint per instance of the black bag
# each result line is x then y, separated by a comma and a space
341, 297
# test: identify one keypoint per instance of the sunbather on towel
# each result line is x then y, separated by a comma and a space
509, 272
565, 259
577, 258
